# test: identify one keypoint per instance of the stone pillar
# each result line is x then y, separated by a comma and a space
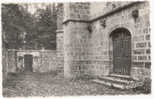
76, 36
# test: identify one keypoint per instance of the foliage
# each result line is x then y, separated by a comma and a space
11, 25
24, 30
46, 32
146, 88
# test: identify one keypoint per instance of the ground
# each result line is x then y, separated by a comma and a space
51, 84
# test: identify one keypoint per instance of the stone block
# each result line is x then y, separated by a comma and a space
141, 45
137, 64
137, 73
139, 51
134, 57
149, 44
138, 38
147, 37
148, 51
148, 65
142, 57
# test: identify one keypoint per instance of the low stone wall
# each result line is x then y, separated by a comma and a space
43, 60
8, 63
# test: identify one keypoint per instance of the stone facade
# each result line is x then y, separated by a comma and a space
87, 42
139, 30
84, 40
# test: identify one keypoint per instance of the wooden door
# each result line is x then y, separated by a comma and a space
121, 52
28, 62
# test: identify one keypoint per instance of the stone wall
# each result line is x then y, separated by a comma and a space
8, 63
97, 9
76, 37
60, 49
5, 59
76, 11
60, 15
139, 29
75, 48
141, 65
43, 60
87, 42
11, 60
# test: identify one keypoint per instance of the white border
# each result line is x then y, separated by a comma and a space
83, 97
47, 1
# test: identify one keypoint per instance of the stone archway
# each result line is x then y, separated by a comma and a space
121, 51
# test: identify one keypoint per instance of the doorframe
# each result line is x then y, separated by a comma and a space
111, 49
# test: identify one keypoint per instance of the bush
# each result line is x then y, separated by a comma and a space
146, 88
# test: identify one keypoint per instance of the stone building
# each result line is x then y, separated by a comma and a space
104, 39
107, 40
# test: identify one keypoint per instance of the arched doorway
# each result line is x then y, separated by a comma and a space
28, 62
121, 47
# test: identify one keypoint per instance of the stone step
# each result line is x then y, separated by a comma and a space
113, 79
118, 82
116, 85
124, 77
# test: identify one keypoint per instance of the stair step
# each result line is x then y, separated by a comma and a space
116, 85
113, 79
118, 82
120, 76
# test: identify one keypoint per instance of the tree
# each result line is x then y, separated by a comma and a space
46, 31
11, 25
23, 30
15, 22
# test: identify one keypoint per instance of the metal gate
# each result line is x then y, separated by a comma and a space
121, 52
